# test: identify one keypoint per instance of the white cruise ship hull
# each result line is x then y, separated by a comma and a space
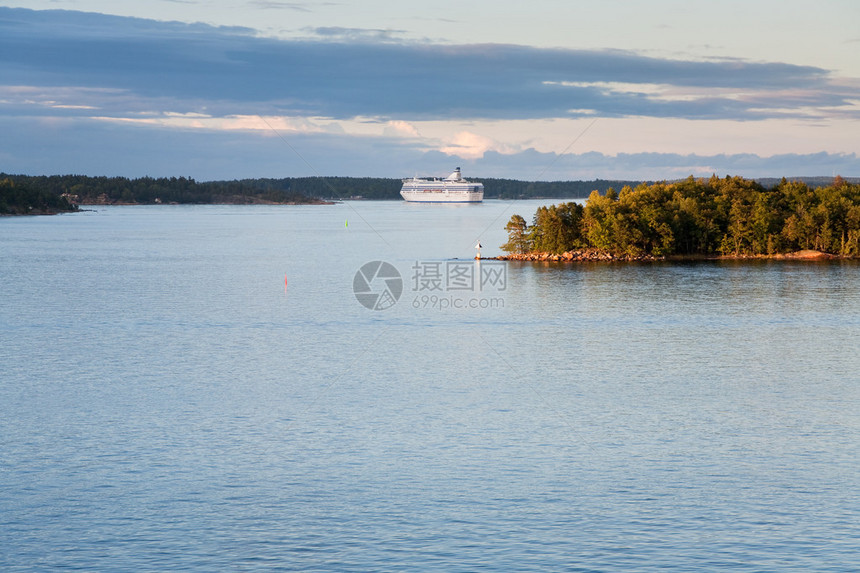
429, 195
453, 189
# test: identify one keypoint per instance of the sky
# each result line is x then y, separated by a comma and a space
546, 90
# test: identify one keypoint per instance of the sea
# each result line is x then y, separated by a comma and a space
345, 388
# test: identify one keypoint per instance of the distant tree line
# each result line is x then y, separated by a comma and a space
382, 188
21, 198
515, 189
81, 189
730, 216
149, 190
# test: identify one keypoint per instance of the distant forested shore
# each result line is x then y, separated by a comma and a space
22, 198
26, 194
729, 217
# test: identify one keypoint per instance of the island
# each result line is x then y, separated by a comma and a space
48, 195
694, 218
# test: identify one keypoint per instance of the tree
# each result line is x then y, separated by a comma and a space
598, 220
519, 240
557, 228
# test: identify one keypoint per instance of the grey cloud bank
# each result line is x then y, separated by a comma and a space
106, 149
104, 66
191, 63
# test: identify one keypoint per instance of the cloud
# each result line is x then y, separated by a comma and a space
397, 128
268, 126
133, 149
102, 95
356, 34
271, 5
472, 146
529, 164
242, 73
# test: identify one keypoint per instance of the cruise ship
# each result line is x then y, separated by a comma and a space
452, 189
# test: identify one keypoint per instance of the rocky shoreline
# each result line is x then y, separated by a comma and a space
590, 255
593, 255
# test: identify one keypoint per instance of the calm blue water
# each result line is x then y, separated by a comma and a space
166, 404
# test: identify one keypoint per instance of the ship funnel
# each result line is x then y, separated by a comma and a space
455, 176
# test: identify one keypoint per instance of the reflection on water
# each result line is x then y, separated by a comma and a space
165, 403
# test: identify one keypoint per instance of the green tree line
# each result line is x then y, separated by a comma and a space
382, 188
25, 199
730, 216
149, 190
515, 189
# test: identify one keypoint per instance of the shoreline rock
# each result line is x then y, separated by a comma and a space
584, 256
590, 255
808, 255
